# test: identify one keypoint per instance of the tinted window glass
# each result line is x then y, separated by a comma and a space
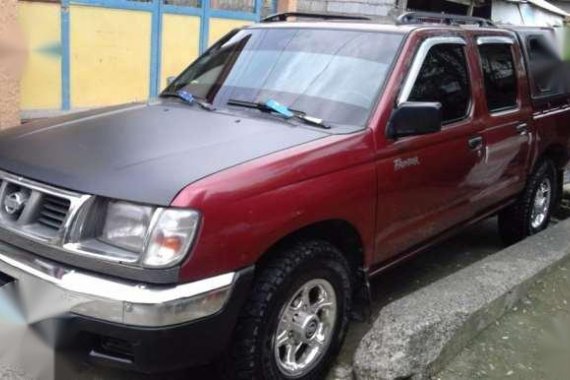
334, 75
544, 64
443, 78
499, 75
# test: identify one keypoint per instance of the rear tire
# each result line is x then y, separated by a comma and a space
532, 211
300, 302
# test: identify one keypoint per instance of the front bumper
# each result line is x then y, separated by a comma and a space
144, 327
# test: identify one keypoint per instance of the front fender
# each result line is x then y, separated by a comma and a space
249, 208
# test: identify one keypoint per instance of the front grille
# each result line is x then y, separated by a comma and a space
53, 211
35, 210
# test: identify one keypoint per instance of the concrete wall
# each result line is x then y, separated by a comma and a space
523, 14
363, 7
564, 5
11, 56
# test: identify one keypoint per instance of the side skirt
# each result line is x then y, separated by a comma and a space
409, 254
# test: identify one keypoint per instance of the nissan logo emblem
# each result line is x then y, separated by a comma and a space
14, 202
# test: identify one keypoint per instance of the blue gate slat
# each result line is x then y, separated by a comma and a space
157, 8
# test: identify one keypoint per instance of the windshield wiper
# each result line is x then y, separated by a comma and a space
188, 98
275, 107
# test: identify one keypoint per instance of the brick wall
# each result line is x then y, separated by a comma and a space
11, 64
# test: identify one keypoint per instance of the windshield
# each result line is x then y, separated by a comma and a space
334, 75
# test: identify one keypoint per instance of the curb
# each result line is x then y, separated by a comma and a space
415, 336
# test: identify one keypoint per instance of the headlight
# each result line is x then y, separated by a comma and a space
126, 225
130, 233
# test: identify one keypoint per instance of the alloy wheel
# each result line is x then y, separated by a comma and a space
305, 328
541, 204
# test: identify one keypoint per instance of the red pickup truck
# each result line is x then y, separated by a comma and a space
241, 214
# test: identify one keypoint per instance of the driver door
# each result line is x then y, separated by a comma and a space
424, 182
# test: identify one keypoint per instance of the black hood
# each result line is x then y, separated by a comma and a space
144, 153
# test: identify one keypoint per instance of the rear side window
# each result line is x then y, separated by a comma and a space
543, 65
499, 76
444, 78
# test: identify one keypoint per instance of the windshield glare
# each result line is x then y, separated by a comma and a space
334, 75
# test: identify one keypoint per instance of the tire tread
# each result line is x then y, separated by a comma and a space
273, 274
514, 224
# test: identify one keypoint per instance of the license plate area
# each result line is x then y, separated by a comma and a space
5, 279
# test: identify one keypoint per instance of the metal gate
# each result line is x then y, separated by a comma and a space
116, 51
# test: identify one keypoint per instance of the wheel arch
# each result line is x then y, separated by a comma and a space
340, 233
557, 154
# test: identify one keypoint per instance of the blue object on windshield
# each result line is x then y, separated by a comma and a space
279, 108
186, 96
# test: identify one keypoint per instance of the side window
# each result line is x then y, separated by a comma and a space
543, 62
444, 78
499, 76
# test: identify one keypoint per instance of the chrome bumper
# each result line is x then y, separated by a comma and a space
45, 289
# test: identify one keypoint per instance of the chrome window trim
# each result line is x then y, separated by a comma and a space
419, 61
551, 112
505, 112
485, 40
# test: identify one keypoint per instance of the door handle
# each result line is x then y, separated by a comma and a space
522, 129
475, 143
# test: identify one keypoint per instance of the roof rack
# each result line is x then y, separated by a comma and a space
323, 16
442, 18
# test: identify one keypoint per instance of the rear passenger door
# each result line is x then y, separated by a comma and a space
506, 133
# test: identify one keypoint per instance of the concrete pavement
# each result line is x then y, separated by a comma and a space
418, 334
470, 246
530, 342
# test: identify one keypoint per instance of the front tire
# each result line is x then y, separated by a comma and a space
296, 317
531, 212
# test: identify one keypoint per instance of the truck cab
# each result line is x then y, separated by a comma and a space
238, 218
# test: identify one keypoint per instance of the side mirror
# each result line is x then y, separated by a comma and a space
415, 118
